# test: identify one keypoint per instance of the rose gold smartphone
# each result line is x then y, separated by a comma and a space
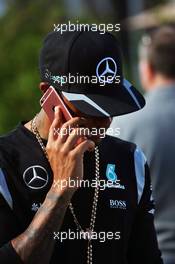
51, 99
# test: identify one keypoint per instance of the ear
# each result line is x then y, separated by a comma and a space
43, 86
147, 74
150, 71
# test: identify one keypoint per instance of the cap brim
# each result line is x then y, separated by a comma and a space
123, 100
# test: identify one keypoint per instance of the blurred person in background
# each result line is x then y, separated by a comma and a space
153, 129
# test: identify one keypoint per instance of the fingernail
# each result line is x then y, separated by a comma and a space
92, 143
56, 109
82, 119
91, 148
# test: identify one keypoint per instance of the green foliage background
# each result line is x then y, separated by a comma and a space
22, 30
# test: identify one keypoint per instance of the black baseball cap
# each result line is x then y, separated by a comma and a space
96, 59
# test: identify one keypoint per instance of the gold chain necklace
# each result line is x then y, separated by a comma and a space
89, 231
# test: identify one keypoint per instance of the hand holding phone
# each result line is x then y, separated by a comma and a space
49, 101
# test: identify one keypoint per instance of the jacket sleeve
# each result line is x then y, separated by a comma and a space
8, 227
143, 246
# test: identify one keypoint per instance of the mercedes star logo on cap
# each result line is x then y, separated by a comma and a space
104, 68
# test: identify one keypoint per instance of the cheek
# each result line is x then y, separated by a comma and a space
101, 123
107, 122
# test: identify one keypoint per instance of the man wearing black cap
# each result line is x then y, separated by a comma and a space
35, 211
